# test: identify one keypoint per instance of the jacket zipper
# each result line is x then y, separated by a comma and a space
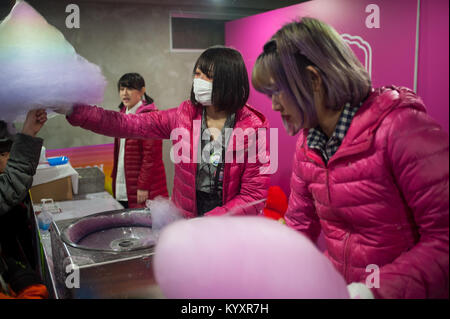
346, 252
328, 185
312, 160
194, 164
348, 234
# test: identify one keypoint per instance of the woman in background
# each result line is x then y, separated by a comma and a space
138, 172
370, 168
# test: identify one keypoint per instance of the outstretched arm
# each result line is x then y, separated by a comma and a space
157, 124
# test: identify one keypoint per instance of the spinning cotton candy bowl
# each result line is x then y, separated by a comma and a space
113, 252
242, 258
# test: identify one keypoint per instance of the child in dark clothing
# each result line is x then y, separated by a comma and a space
19, 157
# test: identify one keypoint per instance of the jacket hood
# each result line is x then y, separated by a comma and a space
146, 108
377, 106
143, 108
250, 117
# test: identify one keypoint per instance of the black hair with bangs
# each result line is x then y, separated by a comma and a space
226, 67
133, 81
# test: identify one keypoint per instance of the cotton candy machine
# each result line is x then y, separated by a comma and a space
106, 255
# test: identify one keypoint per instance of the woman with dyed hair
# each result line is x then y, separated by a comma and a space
370, 167
205, 183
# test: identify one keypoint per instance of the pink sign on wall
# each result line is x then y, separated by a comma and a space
381, 33
433, 67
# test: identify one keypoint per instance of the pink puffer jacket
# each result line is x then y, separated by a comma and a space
383, 198
243, 182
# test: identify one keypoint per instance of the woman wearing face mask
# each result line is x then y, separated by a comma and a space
205, 183
370, 167
138, 172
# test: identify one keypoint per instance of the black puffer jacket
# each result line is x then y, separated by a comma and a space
18, 236
17, 178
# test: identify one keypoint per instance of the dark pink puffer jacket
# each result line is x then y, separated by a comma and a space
383, 198
243, 182
143, 165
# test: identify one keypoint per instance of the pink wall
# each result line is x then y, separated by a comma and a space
433, 72
392, 48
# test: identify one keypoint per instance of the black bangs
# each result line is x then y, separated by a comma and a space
131, 81
206, 65
226, 67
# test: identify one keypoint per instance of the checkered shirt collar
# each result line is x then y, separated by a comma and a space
317, 139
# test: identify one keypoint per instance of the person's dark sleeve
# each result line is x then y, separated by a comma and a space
17, 178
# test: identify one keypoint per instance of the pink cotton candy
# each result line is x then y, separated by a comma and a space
242, 257
40, 69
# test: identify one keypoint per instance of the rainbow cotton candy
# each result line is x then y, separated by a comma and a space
40, 69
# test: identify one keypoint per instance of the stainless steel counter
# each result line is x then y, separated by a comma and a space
81, 206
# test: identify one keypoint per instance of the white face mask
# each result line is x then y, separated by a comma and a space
203, 91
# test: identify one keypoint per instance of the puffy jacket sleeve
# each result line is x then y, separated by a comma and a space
17, 178
301, 213
157, 124
418, 150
